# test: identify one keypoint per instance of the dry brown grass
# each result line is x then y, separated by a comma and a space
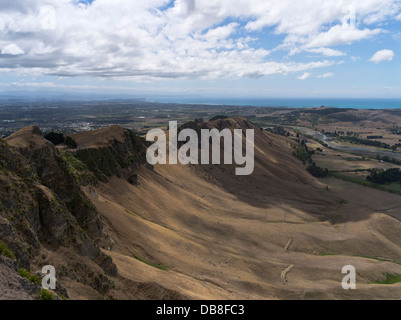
221, 236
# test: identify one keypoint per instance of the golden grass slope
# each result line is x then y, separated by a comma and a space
99, 138
225, 237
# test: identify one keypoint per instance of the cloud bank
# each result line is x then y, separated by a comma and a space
183, 39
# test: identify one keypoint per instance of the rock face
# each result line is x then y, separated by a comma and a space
111, 151
42, 204
12, 285
54, 172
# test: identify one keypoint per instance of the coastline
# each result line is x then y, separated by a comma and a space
343, 103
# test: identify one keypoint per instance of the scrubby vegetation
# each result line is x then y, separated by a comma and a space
395, 130
31, 277
385, 177
73, 162
279, 130
390, 279
151, 264
117, 159
4, 251
45, 295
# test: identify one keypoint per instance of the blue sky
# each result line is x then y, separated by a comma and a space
222, 48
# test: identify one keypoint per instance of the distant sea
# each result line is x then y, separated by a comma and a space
290, 102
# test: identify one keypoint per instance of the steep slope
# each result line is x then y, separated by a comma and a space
111, 151
47, 219
45, 216
55, 173
278, 176
196, 231
209, 234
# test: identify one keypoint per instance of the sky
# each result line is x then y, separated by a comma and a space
202, 48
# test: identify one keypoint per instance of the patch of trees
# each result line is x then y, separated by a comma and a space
302, 152
280, 131
58, 138
334, 134
338, 114
395, 130
317, 171
327, 111
374, 137
373, 143
218, 117
55, 138
388, 159
346, 117
385, 177
342, 133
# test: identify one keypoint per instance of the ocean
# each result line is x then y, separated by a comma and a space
289, 102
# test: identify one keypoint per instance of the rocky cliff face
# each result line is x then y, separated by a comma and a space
43, 209
112, 151
54, 172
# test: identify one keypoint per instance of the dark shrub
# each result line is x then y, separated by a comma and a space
70, 143
55, 138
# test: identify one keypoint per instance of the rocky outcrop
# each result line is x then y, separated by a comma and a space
12, 285
112, 151
54, 172
42, 205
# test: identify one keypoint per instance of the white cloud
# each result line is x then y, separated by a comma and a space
305, 76
326, 75
382, 55
191, 39
338, 35
12, 49
328, 52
